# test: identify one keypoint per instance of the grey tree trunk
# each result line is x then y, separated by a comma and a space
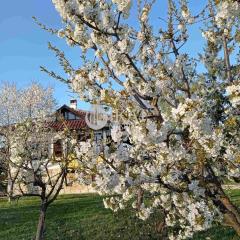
41, 223
10, 192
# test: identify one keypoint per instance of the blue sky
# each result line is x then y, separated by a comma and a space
23, 45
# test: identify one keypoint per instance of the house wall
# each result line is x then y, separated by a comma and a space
77, 188
71, 184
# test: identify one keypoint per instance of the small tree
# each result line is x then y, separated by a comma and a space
180, 112
17, 105
40, 172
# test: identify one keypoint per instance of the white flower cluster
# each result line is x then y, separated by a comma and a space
227, 13
145, 13
210, 35
233, 92
123, 6
144, 212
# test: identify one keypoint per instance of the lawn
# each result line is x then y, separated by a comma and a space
84, 217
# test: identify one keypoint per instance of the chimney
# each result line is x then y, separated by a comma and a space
73, 104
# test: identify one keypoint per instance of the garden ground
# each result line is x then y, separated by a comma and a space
83, 217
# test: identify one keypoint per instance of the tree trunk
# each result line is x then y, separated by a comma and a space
9, 199
10, 191
41, 222
220, 199
231, 221
232, 214
228, 209
139, 198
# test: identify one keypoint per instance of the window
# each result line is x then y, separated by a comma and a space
70, 116
57, 148
93, 178
98, 136
108, 133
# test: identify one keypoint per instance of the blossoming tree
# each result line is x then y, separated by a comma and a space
39, 172
26, 142
177, 140
16, 106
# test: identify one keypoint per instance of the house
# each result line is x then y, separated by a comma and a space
73, 119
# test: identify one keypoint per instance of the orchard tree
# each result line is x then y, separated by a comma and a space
39, 172
26, 155
16, 106
178, 137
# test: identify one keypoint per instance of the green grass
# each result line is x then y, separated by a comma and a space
83, 217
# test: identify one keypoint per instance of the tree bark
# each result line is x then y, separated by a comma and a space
231, 221
41, 222
10, 194
220, 199
139, 198
232, 214
9, 189
9, 199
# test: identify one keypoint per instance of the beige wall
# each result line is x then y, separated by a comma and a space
73, 186
77, 188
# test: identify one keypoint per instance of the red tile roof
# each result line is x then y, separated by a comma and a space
76, 124
69, 124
